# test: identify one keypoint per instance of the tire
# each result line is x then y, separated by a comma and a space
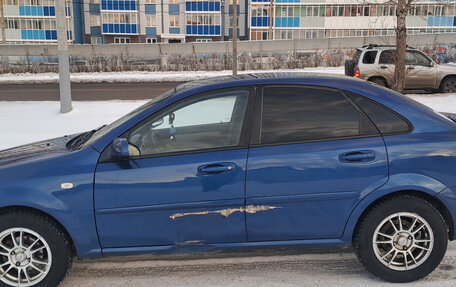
448, 85
383, 256
41, 248
378, 81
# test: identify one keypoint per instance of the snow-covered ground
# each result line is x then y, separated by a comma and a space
25, 122
140, 76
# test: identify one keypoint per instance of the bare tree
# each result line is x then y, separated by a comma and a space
402, 8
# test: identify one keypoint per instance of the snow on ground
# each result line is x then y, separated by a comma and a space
140, 76
25, 122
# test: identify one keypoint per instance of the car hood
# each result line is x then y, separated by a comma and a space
34, 150
451, 68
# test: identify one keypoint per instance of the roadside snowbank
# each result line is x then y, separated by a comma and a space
139, 76
25, 122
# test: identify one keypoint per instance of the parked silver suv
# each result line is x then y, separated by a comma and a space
376, 64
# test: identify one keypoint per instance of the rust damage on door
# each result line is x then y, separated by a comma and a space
227, 212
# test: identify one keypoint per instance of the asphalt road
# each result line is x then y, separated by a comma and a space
85, 92
329, 269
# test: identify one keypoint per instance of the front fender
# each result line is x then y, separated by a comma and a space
396, 183
61, 187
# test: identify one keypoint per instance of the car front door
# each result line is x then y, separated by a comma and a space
184, 181
421, 73
313, 155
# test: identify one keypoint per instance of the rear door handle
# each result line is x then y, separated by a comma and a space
216, 168
357, 156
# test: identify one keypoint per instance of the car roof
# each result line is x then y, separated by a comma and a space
268, 78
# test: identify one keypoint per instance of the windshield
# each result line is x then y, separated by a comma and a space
106, 129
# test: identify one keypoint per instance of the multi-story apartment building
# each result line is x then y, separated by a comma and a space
33, 21
300, 19
168, 21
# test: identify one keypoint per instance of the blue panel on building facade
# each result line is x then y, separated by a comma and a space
29, 34
42, 36
194, 8
48, 35
111, 28
28, 10
151, 9
21, 10
217, 6
174, 30
36, 34
211, 6
105, 28
51, 11
134, 28
217, 29
296, 22
115, 5
151, 32
188, 29
39, 11
33, 11
211, 30
194, 29
117, 28
200, 6
253, 21
110, 5
54, 34
205, 30
104, 5
200, 30
205, 6
188, 6
174, 9
128, 29
95, 31
24, 34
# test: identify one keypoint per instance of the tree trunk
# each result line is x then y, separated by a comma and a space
401, 47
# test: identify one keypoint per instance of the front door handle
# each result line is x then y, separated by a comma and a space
357, 156
216, 168
383, 67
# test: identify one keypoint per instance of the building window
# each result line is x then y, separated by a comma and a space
150, 21
151, 40
203, 40
150, 1
94, 20
121, 40
173, 1
94, 1
174, 21
96, 40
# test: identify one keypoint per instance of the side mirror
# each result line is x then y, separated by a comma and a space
119, 149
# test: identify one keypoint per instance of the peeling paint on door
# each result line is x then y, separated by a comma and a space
227, 212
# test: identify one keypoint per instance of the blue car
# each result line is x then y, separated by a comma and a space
247, 162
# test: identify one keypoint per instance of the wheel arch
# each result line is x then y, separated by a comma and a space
444, 78
40, 212
370, 79
442, 208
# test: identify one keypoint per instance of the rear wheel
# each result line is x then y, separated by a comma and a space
34, 251
448, 85
401, 239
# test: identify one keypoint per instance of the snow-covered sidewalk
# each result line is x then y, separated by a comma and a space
25, 122
140, 76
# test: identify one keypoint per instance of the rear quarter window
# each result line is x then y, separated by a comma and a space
384, 119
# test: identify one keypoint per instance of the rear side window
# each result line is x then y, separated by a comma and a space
292, 114
385, 120
387, 57
369, 57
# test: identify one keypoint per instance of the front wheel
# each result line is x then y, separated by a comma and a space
401, 239
448, 85
34, 251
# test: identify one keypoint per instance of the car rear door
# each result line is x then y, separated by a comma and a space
313, 155
187, 185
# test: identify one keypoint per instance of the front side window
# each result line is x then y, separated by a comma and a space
208, 122
292, 114
417, 58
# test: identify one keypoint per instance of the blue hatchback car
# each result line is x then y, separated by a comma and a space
253, 161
